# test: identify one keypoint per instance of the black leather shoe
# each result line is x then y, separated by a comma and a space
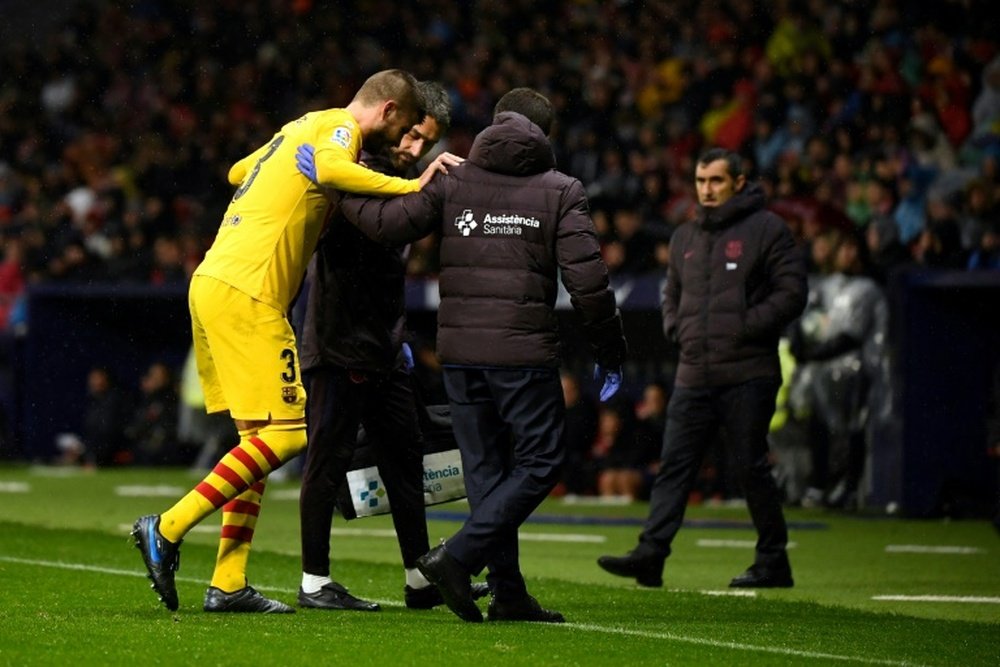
335, 596
245, 600
759, 576
429, 597
647, 569
524, 609
452, 581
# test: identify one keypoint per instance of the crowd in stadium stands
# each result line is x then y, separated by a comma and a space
872, 122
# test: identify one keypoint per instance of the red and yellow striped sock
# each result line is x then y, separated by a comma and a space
239, 518
244, 465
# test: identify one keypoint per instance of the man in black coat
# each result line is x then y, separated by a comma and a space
736, 280
356, 369
511, 225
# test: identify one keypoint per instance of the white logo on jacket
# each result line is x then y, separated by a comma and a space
466, 222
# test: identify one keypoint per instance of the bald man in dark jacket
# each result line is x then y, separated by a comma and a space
511, 225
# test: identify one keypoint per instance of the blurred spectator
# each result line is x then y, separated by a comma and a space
11, 277
619, 461
886, 253
104, 419
839, 343
102, 440
650, 421
153, 427
578, 435
986, 255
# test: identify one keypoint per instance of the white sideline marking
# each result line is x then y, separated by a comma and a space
699, 641
732, 594
936, 598
59, 471
556, 537
734, 544
596, 501
80, 567
14, 487
148, 491
715, 643
928, 549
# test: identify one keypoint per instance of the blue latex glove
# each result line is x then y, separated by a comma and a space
306, 162
408, 358
612, 381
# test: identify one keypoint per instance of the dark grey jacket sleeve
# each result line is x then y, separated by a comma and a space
585, 277
399, 220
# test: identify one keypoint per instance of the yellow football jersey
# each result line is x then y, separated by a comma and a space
276, 215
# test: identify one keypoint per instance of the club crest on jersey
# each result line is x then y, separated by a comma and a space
289, 394
341, 136
734, 249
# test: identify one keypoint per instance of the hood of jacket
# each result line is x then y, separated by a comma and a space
512, 145
742, 204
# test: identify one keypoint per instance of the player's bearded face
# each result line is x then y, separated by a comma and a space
396, 124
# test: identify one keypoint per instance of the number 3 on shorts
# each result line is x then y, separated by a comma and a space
288, 375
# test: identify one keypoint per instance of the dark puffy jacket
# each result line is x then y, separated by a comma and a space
355, 311
510, 224
736, 280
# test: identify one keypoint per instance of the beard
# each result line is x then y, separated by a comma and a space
379, 142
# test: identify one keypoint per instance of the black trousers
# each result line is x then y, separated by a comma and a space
693, 417
508, 424
338, 401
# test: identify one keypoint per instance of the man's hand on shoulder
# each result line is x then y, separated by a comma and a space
440, 164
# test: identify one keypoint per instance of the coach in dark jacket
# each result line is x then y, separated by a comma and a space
736, 279
510, 225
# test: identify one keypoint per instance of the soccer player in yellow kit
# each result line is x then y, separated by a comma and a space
244, 345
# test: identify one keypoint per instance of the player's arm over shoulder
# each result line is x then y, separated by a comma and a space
337, 145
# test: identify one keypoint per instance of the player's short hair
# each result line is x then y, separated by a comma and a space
530, 103
391, 84
733, 160
436, 103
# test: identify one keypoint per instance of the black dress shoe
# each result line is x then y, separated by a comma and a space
335, 596
429, 597
524, 609
452, 581
646, 568
760, 576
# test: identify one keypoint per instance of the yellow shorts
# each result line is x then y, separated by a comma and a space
246, 354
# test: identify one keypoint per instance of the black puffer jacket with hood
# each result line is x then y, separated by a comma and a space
736, 280
511, 225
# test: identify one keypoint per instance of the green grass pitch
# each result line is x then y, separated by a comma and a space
73, 591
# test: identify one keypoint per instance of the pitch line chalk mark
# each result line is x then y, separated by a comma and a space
15, 487
734, 544
736, 646
147, 491
666, 636
931, 549
937, 598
